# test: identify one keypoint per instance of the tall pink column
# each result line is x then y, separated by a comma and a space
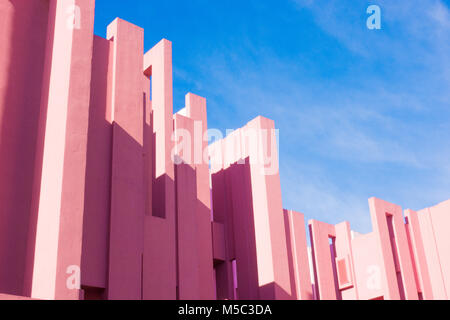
127, 203
149, 147
321, 233
441, 221
398, 274
418, 255
188, 249
244, 232
273, 267
432, 255
344, 263
257, 142
196, 110
298, 255
94, 265
434, 226
159, 264
223, 230
23, 39
60, 197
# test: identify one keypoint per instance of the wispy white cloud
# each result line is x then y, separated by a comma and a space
343, 140
308, 189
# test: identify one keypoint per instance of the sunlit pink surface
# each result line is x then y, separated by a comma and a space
88, 181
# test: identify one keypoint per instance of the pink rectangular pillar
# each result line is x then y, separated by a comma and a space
432, 255
344, 262
127, 203
188, 237
398, 274
440, 219
222, 205
298, 255
244, 230
149, 145
187, 245
257, 142
158, 66
94, 265
196, 110
418, 255
321, 233
273, 266
60, 200
159, 264
23, 41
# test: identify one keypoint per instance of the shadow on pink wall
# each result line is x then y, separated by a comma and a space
88, 181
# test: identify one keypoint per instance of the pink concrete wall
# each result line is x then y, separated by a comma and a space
399, 280
256, 197
160, 279
433, 222
344, 262
187, 245
440, 216
325, 280
196, 110
23, 35
127, 205
298, 255
368, 272
94, 262
195, 252
59, 194
421, 270
93, 205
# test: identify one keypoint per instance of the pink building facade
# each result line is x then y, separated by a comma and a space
105, 193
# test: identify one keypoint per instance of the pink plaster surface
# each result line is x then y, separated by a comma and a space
127, 206
325, 279
298, 255
89, 190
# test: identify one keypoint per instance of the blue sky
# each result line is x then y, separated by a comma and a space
361, 112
